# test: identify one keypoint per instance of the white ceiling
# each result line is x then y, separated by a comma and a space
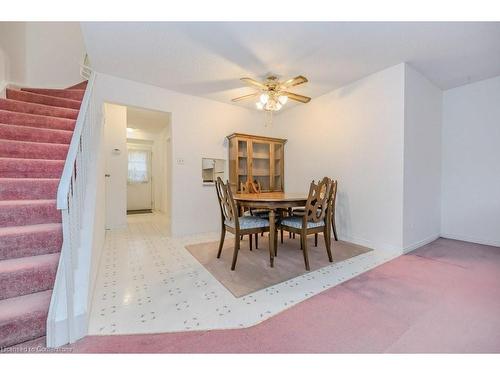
207, 59
147, 120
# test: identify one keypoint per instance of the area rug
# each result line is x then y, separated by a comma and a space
253, 272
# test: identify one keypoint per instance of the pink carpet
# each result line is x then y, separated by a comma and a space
443, 297
36, 126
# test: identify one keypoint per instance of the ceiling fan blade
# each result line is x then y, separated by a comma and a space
294, 81
254, 83
249, 96
297, 97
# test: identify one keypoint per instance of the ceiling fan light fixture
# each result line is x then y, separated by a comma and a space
273, 94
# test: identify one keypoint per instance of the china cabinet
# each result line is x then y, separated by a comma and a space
257, 159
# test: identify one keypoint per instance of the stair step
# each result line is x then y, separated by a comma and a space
23, 318
30, 240
30, 168
31, 97
28, 188
27, 275
37, 109
79, 86
28, 212
60, 93
27, 133
36, 121
33, 150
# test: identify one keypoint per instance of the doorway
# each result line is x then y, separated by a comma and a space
138, 164
139, 178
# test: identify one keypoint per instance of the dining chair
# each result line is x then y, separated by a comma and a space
232, 222
250, 187
300, 212
316, 218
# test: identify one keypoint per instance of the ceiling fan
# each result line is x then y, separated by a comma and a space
273, 94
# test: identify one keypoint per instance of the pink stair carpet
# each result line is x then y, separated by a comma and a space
36, 126
443, 297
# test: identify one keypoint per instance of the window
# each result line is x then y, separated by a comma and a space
138, 166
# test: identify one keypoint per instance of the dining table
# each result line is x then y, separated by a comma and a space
271, 201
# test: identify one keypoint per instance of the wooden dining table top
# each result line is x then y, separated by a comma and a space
273, 201
271, 197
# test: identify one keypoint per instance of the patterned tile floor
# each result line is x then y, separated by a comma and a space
149, 283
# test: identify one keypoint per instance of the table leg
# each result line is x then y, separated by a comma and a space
272, 234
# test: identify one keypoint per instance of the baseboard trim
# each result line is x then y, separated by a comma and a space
357, 241
4, 85
371, 244
421, 243
61, 330
460, 237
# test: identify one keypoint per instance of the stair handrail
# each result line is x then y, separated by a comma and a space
65, 182
71, 201
85, 68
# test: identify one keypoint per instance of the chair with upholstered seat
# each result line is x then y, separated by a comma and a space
232, 222
300, 212
316, 218
254, 188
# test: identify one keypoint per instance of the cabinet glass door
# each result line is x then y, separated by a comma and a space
242, 164
261, 164
278, 167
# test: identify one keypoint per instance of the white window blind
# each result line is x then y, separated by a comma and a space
138, 166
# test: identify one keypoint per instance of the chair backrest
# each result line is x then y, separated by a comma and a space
255, 187
250, 187
245, 187
318, 200
226, 202
334, 196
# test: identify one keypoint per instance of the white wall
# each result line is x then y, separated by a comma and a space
3, 70
115, 154
422, 160
54, 52
198, 129
98, 198
46, 54
161, 152
471, 162
13, 52
353, 134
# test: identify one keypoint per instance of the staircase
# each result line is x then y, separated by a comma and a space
36, 126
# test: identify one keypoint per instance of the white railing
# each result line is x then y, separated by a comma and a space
85, 69
71, 202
